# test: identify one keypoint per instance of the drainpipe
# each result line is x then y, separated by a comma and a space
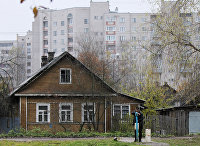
26, 114
105, 115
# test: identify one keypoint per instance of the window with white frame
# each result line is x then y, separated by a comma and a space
42, 112
66, 112
110, 28
110, 37
122, 38
62, 23
86, 21
134, 20
62, 32
86, 30
54, 33
88, 110
55, 24
65, 75
62, 41
121, 110
122, 29
122, 19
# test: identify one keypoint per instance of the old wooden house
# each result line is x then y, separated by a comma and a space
64, 95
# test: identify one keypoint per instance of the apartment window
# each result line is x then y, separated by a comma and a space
134, 20
122, 19
29, 57
121, 110
96, 17
62, 23
111, 18
70, 40
122, 38
45, 42
66, 112
54, 33
28, 71
62, 41
43, 112
133, 48
101, 17
144, 29
86, 30
54, 42
6, 44
65, 75
143, 19
63, 49
45, 23
45, 33
110, 28
70, 30
133, 29
5, 51
133, 38
55, 50
122, 29
144, 38
88, 110
85, 21
110, 37
62, 32
54, 24
28, 63
45, 51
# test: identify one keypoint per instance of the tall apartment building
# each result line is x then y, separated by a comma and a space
124, 35
12, 65
60, 30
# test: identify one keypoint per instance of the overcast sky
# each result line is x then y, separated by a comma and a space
17, 18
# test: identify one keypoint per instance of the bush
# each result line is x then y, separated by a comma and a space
37, 132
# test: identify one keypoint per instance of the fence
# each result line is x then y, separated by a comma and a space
159, 125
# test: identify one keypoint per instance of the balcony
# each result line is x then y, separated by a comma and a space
110, 22
110, 32
70, 44
110, 42
70, 35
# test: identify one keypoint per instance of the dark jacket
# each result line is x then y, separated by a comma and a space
140, 118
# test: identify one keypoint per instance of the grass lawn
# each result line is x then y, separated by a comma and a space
106, 142
190, 141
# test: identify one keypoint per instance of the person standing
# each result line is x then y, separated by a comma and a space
140, 122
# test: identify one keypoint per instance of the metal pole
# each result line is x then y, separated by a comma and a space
136, 119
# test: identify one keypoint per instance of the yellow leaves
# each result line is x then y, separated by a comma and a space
21, 1
35, 11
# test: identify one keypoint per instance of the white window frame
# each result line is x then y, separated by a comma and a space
121, 108
37, 112
122, 19
110, 38
82, 111
70, 75
71, 112
62, 32
122, 29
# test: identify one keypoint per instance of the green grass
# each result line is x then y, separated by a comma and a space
193, 141
100, 142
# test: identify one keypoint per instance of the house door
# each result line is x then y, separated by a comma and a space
194, 120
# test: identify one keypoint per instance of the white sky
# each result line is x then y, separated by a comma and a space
17, 18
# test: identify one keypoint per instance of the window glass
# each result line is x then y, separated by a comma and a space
65, 76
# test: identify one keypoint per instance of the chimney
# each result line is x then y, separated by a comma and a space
44, 61
50, 56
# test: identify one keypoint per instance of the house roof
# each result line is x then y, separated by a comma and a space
53, 62
49, 65
179, 108
125, 95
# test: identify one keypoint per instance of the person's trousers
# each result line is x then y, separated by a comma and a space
139, 134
